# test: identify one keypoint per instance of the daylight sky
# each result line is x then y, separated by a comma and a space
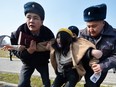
58, 13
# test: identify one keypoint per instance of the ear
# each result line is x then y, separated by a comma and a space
103, 23
74, 35
41, 22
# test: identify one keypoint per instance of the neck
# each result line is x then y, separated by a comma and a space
35, 33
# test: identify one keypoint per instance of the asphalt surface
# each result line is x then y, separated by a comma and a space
14, 67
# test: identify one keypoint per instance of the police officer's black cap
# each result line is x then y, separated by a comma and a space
34, 7
95, 13
74, 29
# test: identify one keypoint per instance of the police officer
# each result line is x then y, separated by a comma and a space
34, 27
103, 35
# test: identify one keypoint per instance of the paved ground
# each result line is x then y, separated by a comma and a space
14, 67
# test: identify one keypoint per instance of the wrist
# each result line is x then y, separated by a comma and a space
30, 50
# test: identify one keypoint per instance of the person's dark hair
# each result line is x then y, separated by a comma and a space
66, 39
74, 29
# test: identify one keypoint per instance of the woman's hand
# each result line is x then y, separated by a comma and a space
8, 47
96, 53
14, 47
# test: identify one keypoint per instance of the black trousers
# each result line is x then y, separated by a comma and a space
89, 73
27, 71
89, 83
70, 76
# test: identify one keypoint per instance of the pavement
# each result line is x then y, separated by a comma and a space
14, 67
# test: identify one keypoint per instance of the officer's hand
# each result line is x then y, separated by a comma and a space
32, 47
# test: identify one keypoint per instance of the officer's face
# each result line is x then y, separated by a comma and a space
34, 22
95, 27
